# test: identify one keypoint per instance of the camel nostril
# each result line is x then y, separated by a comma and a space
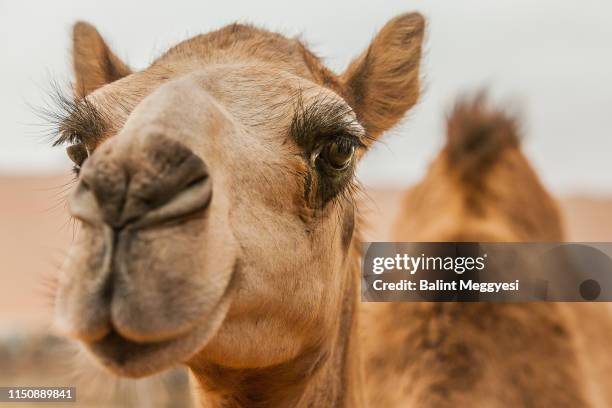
85, 185
199, 180
193, 199
176, 183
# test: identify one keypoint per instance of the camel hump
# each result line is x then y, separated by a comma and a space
477, 134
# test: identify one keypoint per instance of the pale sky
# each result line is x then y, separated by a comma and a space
550, 59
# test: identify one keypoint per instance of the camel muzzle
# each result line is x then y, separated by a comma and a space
167, 181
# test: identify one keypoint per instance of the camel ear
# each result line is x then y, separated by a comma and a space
95, 65
383, 82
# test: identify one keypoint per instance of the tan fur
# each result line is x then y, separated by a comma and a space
95, 65
481, 188
386, 84
258, 295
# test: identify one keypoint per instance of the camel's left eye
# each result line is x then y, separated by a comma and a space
338, 154
78, 153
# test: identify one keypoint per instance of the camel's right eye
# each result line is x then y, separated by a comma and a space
78, 153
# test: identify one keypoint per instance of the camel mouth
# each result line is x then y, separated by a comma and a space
128, 358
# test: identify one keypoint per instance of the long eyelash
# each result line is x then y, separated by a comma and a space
326, 116
67, 118
327, 120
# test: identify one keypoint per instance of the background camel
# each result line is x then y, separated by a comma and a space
215, 199
481, 188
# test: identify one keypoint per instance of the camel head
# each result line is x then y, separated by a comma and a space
215, 193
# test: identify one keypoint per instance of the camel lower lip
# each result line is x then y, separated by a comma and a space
121, 350
128, 358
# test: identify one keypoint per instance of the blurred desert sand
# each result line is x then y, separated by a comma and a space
35, 233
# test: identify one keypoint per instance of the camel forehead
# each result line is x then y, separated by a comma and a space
254, 93
238, 43
235, 37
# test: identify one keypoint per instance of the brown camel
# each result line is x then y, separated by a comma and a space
216, 204
481, 188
